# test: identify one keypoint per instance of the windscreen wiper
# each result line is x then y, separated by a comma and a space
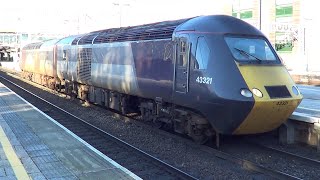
243, 52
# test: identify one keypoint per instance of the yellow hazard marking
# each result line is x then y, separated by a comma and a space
13, 159
267, 114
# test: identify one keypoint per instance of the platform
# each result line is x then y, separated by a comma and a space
304, 124
34, 146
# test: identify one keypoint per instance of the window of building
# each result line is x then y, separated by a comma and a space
24, 37
284, 36
284, 11
284, 42
6, 39
234, 14
245, 14
243, 9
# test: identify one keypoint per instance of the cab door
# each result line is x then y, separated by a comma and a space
182, 63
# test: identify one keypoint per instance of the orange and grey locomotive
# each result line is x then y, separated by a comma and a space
201, 76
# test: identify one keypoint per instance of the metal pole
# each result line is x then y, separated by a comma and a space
304, 47
120, 14
260, 14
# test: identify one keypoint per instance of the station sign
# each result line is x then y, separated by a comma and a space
285, 27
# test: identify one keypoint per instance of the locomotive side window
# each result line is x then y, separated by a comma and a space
64, 55
182, 58
202, 54
183, 45
251, 49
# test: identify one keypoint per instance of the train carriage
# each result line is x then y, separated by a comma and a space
200, 76
39, 62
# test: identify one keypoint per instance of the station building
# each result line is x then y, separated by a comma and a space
290, 25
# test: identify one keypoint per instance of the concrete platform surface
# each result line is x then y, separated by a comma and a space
34, 146
304, 124
309, 108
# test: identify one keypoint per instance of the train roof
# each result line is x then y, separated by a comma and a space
68, 39
161, 30
52, 42
41, 45
49, 43
33, 45
218, 24
165, 30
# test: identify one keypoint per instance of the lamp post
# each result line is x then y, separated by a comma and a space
260, 14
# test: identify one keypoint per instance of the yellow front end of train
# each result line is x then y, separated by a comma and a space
270, 109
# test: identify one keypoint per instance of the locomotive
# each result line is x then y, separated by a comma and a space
201, 76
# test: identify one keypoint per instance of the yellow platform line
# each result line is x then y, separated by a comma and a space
18, 169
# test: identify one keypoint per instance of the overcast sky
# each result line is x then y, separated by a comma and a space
79, 16
83, 15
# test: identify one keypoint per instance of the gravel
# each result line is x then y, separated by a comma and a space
159, 144
275, 160
297, 148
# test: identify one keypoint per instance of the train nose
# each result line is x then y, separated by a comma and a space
267, 115
275, 98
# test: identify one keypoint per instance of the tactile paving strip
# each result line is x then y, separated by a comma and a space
43, 158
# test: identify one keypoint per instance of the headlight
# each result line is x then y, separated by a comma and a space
246, 93
295, 90
257, 92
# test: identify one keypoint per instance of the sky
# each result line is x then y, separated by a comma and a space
79, 16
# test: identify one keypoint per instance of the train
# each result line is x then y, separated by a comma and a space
203, 76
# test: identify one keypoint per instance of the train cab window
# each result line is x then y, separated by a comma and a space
251, 49
202, 54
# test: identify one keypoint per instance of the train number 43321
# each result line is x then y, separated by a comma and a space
204, 80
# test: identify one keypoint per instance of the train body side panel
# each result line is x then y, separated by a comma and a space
48, 65
67, 69
219, 100
112, 67
39, 61
32, 61
61, 63
138, 68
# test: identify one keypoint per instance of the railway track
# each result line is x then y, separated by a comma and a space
137, 161
294, 157
137, 165
250, 165
298, 167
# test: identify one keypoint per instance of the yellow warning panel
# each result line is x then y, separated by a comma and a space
18, 169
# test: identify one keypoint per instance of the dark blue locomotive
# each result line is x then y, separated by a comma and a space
200, 76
